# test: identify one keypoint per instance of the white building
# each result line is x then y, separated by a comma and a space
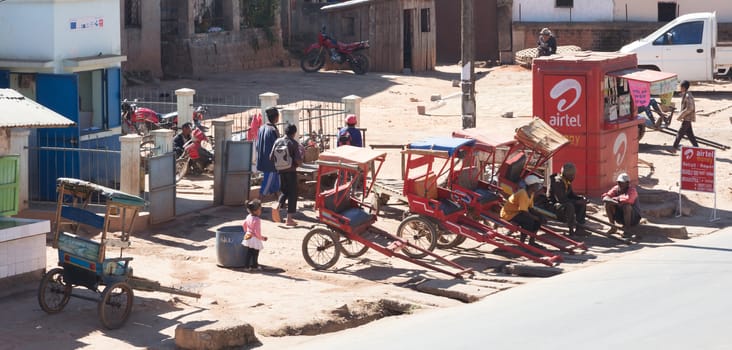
66, 55
615, 10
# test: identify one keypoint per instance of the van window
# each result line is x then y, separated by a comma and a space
683, 34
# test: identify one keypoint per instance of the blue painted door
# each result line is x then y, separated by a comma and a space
4, 79
113, 100
60, 93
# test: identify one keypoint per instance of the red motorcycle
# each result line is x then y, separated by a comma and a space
339, 53
141, 120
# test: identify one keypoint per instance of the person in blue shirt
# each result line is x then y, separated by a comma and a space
266, 137
350, 135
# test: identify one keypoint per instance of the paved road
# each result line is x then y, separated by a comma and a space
671, 297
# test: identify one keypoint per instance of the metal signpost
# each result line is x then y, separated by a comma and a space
697, 174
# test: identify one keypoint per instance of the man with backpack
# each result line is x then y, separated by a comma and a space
350, 135
286, 157
266, 137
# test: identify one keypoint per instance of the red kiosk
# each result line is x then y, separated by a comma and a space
587, 97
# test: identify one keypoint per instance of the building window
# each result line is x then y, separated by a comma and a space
564, 3
133, 12
425, 20
92, 116
257, 13
348, 26
209, 16
667, 11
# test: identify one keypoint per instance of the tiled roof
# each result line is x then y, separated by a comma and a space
17, 111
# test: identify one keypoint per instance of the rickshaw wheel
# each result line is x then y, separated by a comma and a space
53, 292
321, 248
420, 232
352, 249
447, 240
116, 305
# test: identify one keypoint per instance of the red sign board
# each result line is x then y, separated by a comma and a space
697, 169
565, 100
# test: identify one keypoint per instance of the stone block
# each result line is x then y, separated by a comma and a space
205, 335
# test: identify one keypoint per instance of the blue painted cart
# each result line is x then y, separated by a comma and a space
87, 263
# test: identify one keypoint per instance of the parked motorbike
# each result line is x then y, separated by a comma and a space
198, 115
315, 54
193, 157
141, 120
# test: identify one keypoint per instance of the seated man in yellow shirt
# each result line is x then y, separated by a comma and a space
519, 208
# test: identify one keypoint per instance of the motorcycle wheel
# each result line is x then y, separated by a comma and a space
313, 61
360, 64
181, 168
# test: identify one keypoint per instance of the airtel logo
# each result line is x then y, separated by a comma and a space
688, 153
563, 87
620, 147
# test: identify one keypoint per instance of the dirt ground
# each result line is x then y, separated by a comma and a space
289, 299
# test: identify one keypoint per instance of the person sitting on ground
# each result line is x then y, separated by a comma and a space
621, 205
519, 209
179, 141
654, 107
547, 43
567, 205
350, 135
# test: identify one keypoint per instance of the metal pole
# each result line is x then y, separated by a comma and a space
467, 75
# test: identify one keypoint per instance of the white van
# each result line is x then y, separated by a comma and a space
686, 46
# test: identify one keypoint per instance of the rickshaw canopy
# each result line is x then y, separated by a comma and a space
351, 155
444, 144
112, 195
540, 137
485, 141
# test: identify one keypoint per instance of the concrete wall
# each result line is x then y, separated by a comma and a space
545, 11
222, 52
647, 11
47, 25
142, 45
603, 36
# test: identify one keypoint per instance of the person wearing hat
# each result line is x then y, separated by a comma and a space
547, 43
569, 206
519, 208
350, 135
621, 204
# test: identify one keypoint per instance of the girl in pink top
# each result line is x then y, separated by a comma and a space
253, 235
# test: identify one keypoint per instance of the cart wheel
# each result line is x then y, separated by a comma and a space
320, 248
420, 232
53, 292
116, 305
353, 249
447, 240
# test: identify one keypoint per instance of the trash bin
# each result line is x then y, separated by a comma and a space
229, 251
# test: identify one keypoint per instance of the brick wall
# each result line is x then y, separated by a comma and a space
602, 36
223, 52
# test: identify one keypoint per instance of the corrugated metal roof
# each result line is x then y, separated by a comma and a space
344, 5
17, 111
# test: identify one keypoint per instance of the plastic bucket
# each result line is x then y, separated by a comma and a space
229, 251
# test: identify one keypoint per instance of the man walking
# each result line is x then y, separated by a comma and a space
265, 141
686, 116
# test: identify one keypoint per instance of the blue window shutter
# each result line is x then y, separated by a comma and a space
113, 97
9, 185
59, 92
4, 79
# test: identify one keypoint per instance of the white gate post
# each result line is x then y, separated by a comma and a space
163, 141
19, 146
184, 100
130, 164
352, 105
291, 115
222, 133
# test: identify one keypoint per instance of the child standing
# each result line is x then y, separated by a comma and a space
253, 235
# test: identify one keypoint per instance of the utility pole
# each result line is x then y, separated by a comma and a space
467, 73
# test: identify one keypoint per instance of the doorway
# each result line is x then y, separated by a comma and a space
408, 35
